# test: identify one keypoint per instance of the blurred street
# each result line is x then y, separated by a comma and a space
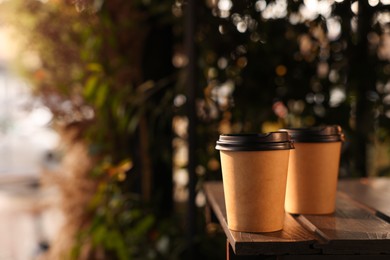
28, 219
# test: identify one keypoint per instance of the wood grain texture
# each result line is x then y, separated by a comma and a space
333, 257
372, 192
351, 229
352, 232
293, 239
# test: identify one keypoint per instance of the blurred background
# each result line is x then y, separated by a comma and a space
109, 112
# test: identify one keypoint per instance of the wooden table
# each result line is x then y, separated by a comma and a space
359, 229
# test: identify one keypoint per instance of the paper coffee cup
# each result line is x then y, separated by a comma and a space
254, 172
313, 170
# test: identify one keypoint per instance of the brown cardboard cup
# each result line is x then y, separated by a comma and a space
254, 183
313, 171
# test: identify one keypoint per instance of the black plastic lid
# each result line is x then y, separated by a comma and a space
254, 142
319, 134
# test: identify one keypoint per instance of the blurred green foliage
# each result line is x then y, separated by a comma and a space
114, 69
93, 73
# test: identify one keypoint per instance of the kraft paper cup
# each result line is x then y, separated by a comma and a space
254, 172
313, 170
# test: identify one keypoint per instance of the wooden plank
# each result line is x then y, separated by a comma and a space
293, 239
230, 255
372, 192
351, 229
333, 257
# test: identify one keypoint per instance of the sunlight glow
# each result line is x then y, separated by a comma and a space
325, 8
311, 5
225, 5
222, 63
179, 100
222, 93
294, 18
355, 7
373, 2
384, 49
10, 43
312, 8
40, 116
241, 27
354, 24
260, 5
337, 96
275, 10
382, 18
244, 23
334, 28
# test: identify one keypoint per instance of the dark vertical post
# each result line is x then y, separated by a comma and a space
157, 66
365, 77
191, 82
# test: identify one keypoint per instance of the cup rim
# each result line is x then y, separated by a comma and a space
277, 140
321, 134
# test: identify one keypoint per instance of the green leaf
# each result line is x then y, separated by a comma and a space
98, 198
116, 241
101, 95
90, 86
99, 235
143, 226
95, 67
